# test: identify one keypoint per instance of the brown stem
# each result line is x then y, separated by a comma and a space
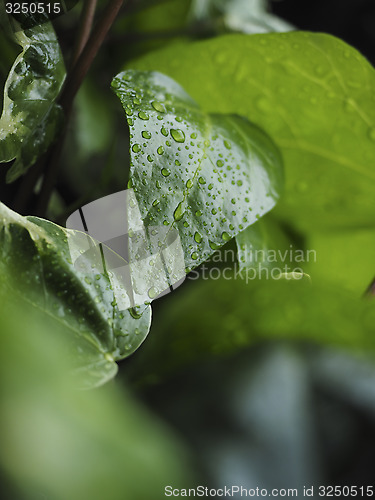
81, 67
71, 87
84, 30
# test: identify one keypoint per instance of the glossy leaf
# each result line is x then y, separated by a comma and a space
313, 94
30, 116
208, 176
215, 317
36, 263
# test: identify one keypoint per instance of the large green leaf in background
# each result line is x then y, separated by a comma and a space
346, 258
208, 176
215, 317
36, 263
60, 443
313, 94
30, 117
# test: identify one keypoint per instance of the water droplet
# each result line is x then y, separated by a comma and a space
156, 202
158, 106
194, 256
142, 115
202, 180
210, 186
233, 200
179, 119
193, 135
165, 172
150, 158
227, 144
226, 236
136, 148
179, 212
160, 150
189, 184
198, 237
239, 183
164, 131
214, 211
146, 134
220, 163
198, 213
88, 280
152, 293
213, 245
178, 135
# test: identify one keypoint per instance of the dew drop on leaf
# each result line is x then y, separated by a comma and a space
152, 293
179, 212
178, 135
198, 237
158, 106
142, 115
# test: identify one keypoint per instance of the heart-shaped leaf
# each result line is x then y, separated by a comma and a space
36, 262
208, 176
313, 94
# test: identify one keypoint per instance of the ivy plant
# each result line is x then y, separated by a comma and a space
237, 133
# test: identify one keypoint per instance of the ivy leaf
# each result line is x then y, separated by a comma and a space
247, 311
36, 263
208, 176
313, 94
30, 116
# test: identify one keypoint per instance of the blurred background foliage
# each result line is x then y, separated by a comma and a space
256, 385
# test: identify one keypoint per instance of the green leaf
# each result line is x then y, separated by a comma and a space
264, 245
313, 94
219, 316
208, 176
345, 258
36, 263
30, 117
60, 443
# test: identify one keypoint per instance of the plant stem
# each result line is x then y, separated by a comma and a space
84, 61
72, 84
84, 30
